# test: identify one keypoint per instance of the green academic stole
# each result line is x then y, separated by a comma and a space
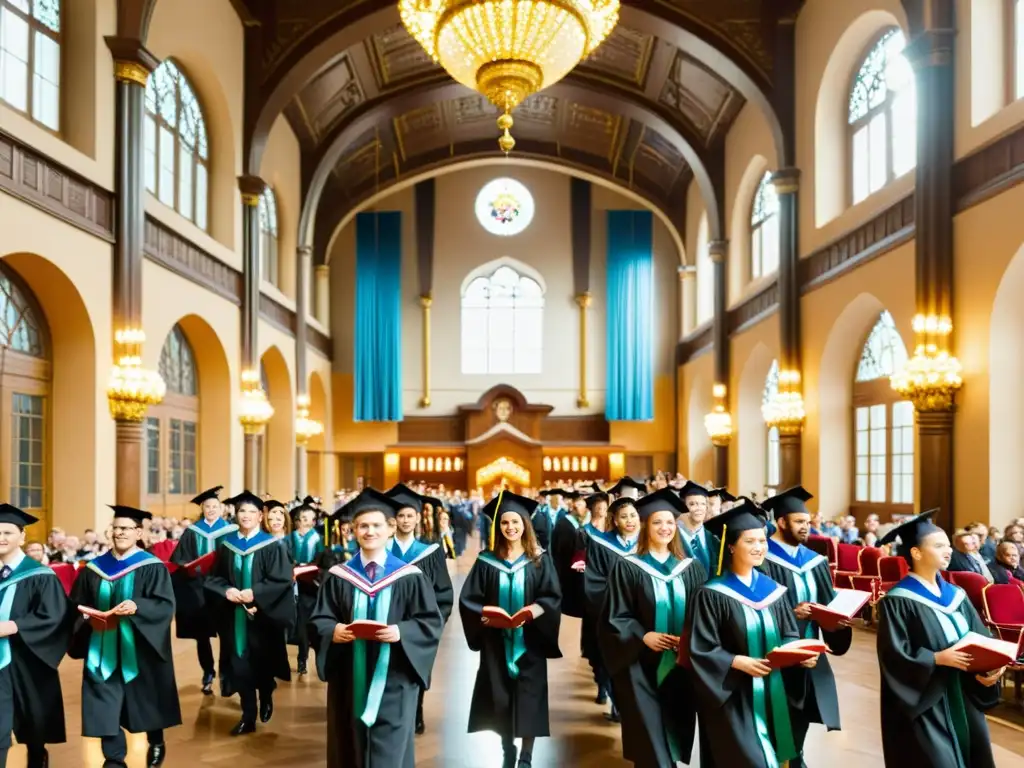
954, 626
305, 547
102, 659
511, 598
366, 597
206, 541
241, 571
763, 636
26, 568
806, 587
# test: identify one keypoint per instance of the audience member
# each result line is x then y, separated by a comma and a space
1006, 564
965, 555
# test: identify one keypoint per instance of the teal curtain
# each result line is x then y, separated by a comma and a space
630, 315
378, 332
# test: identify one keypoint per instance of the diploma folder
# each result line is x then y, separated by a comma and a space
795, 652
306, 573
499, 618
987, 653
101, 621
201, 566
365, 630
844, 606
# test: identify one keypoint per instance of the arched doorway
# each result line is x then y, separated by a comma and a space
277, 444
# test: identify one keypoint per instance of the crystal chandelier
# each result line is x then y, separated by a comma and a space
509, 49
503, 467
718, 423
305, 427
931, 378
132, 388
254, 410
785, 409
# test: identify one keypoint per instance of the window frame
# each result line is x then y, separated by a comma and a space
270, 264
488, 274
34, 25
757, 230
772, 435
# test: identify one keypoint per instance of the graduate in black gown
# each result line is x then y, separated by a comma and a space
546, 515
253, 602
568, 545
650, 596
510, 696
35, 628
627, 488
698, 541
304, 547
372, 685
445, 533
128, 680
806, 577
192, 620
738, 618
932, 710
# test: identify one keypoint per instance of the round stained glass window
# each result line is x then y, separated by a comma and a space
504, 207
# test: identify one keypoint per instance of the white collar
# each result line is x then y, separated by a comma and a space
935, 589
625, 542
745, 581
405, 547
787, 548
126, 555
16, 559
247, 536
380, 558
687, 533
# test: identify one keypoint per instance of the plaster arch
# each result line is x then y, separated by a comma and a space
701, 456
279, 437
751, 439
489, 268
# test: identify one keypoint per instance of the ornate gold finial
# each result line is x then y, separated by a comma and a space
505, 142
131, 72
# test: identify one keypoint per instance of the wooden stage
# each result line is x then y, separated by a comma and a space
581, 736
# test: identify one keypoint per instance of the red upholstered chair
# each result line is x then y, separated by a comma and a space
868, 579
847, 564
826, 547
971, 583
1004, 613
891, 571
67, 573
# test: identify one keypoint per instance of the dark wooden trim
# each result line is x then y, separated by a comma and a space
694, 345
580, 213
172, 251
754, 308
989, 170
424, 220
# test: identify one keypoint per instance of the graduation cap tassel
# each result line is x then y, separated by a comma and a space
721, 550
495, 519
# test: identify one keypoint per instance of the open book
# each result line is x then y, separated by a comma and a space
201, 566
844, 606
499, 618
988, 654
365, 629
101, 621
305, 572
794, 652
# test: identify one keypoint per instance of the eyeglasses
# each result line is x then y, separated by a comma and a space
124, 529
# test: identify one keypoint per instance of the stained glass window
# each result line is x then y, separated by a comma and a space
773, 462
764, 229
504, 207
177, 153
177, 364
19, 326
30, 40
882, 115
268, 236
884, 352
502, 323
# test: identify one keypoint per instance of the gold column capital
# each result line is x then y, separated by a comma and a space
131, 72
251, 188
584, 300
323, 269
426, 300
718, 250
786, 181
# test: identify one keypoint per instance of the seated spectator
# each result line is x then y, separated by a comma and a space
1006, 564
34, 549
986, 547
831, 529
1015, 533
54, 543
848, 530
69, 550
965, 555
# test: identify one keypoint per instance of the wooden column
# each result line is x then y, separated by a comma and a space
930, 52
719, 252
580, 213
426, 214
302, 268
251, 188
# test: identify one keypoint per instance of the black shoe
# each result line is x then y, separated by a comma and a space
602, 698
510, 758
421, 727
244, 727
526, 761
208, 678
266, 710
40, 759
613, 716
155, 755
302, 668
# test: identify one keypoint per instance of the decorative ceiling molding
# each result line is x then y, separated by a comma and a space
700, 96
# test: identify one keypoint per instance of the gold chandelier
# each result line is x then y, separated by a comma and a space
509, 49
132, 388
503, 467
931, 378
306, 428
785, 409
254, 410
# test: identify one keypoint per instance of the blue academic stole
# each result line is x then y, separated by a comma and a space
801, 567
763, 636
27, 568
610, 540
243, 551
416, 551
511, 598
207, 535
701, 553
117, 584
305, 548
371, 601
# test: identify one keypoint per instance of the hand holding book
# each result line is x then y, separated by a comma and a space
498, 618
796, 652
842, 609
100, 621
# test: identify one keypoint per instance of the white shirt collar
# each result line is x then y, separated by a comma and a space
126, 555
787, 548
625, 542
247, 536
687, 533
403, 548
745, 580
935, 589
15, 560
380, 558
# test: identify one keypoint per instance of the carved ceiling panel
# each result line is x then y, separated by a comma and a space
328, 98
704, 99
739, 21
625, 56
657, 162
421, 130
397, 58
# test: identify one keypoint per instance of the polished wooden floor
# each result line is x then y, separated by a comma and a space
581, 737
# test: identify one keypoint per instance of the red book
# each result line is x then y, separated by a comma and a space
988, 654
366, 630
499, 618
305, 572
201, 566
793, 653
844, 606
100, 620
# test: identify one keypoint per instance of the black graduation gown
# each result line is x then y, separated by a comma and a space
710, 546
511, 707
931, 716
262, 653
567, 539
541, 522
730, 711
430, 559
812, 692
348, 595
658, 720
300, 553
31, 700
192, 620
119, 692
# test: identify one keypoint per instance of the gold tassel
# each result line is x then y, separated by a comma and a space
721, 550
496, 519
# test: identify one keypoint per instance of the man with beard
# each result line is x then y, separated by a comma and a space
805, 574
698, 542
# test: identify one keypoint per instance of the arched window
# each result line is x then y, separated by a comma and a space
172, 428
30, 38
502, 323
882, 117
883, 475
177, 154
705, 275
268, 236
764, 229
773, 462
19, 326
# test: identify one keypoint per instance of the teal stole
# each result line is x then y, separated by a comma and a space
117, 584
206, 536
763, 636
243, 551
800, 567
306, 547
511, 598
26, 569
954, 625
371, 601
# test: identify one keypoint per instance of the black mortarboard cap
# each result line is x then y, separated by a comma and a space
693, 489
594, 498
571, 494
246, 497
406, 497
309, 500
434, 502
596, 488
294, 513
627, 482
662, 500
370, 500
138, 515
211, 493
911, 532
722, 493
11, 514
506, 501
743, 517
787, 502
618, 504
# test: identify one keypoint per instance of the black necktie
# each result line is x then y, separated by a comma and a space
5, 573
371, 571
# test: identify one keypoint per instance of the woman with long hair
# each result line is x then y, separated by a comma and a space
738, 618
277, 522
649, 599
932, 708
510, 696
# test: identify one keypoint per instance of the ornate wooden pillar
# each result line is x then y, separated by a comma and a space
719, 421
581, 214
932, 376
426, 213
302, 421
